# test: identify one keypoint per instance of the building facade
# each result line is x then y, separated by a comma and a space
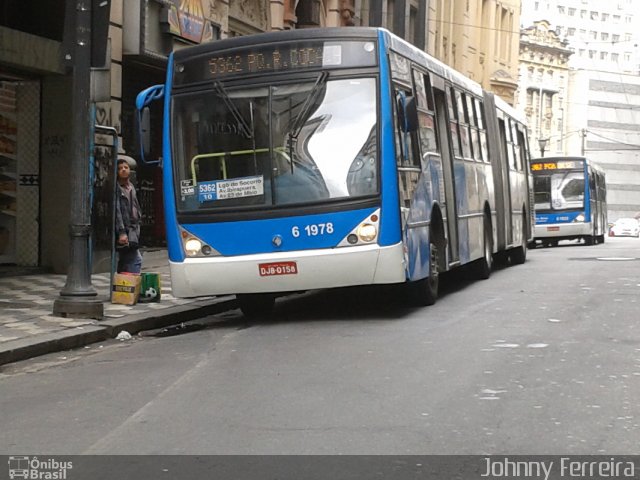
480, 39
36, 94
603, 101
543, 87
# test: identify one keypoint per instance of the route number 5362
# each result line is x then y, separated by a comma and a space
313, 230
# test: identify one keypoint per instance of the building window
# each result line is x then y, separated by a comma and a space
560, 9
593, 35
604, 17
571, 31
627, 57
616, 19
583, 14
572, 12
627, 37
594, 15
604, 36
604, 55
592, 54
614, 57
615, 38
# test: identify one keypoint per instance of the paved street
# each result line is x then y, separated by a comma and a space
542, 358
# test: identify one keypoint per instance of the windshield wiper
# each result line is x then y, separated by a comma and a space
220, 90
301, 119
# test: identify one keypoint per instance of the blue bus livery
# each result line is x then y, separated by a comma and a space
334, 157
570, 200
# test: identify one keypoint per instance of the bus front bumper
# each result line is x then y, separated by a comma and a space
562, 230
288, 271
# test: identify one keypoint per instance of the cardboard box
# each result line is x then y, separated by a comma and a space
150, 287
125, 289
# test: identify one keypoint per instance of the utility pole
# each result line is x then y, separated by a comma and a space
583, 134
78, 298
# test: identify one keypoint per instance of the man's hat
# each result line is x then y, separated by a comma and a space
132, 163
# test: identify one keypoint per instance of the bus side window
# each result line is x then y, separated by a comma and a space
479, 107
463, 126
406, 146
453, 124
509, 143
473, 127
426, 115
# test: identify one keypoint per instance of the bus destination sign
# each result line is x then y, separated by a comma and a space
553, 165
274, 58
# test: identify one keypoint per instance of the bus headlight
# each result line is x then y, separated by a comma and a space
192, 246
367, 232
579, 218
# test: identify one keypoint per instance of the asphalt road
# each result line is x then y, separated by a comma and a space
542, 358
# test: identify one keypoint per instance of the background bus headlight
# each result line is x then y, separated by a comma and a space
579, 218
367, 232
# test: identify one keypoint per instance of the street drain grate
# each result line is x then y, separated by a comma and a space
606, 259
15, 305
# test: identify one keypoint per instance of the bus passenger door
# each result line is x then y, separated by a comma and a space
448, 203
412, 196
506, 181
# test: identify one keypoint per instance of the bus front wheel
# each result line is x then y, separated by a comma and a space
255, 305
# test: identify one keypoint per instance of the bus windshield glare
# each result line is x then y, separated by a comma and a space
561, 190
275, 145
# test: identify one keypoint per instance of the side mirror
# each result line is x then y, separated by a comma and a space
144, 130
407, 113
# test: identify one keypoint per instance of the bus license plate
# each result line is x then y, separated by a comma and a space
277, 268
553, 229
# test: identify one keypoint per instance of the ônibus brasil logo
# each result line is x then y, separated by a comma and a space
38, 469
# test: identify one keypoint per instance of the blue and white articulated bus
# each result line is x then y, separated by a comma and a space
320, 158
570, 200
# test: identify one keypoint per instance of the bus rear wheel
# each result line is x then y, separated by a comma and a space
484, 265
424, 292
519, 254
254, 305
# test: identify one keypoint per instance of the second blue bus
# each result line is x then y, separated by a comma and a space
570, 200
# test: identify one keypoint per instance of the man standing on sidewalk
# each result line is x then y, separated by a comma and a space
128, 216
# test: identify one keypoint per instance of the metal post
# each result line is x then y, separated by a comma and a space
114, 172
78, 298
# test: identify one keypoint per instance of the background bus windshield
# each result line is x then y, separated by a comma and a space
559, 190
276, 145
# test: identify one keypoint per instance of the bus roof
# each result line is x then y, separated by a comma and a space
367, 33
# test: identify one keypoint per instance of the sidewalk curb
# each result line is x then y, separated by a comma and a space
26, 348
182, 313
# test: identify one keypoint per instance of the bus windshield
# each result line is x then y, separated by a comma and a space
562, 190
275, 145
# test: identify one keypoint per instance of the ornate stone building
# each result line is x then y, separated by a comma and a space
543, 87
478, 38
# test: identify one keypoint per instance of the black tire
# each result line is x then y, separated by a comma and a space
256, 305
424, 292
518, 255
484, 265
